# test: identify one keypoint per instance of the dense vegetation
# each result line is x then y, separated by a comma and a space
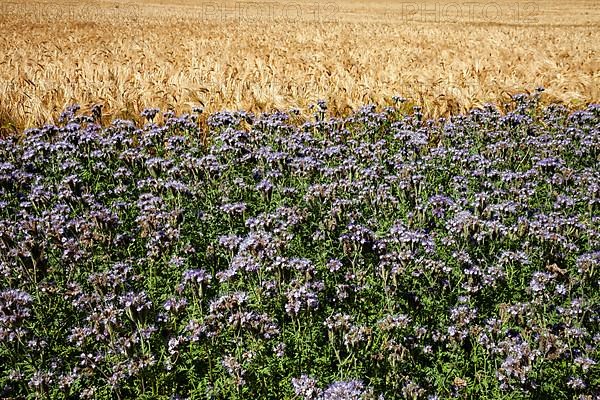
375, 256
263, 55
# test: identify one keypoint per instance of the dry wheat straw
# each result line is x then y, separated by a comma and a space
177, 54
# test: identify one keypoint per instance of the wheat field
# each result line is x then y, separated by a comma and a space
260, 56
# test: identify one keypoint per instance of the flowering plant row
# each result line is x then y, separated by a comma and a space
379, 255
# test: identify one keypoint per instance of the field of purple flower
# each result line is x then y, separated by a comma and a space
378, 256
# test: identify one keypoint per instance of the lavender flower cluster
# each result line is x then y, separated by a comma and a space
376, 256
